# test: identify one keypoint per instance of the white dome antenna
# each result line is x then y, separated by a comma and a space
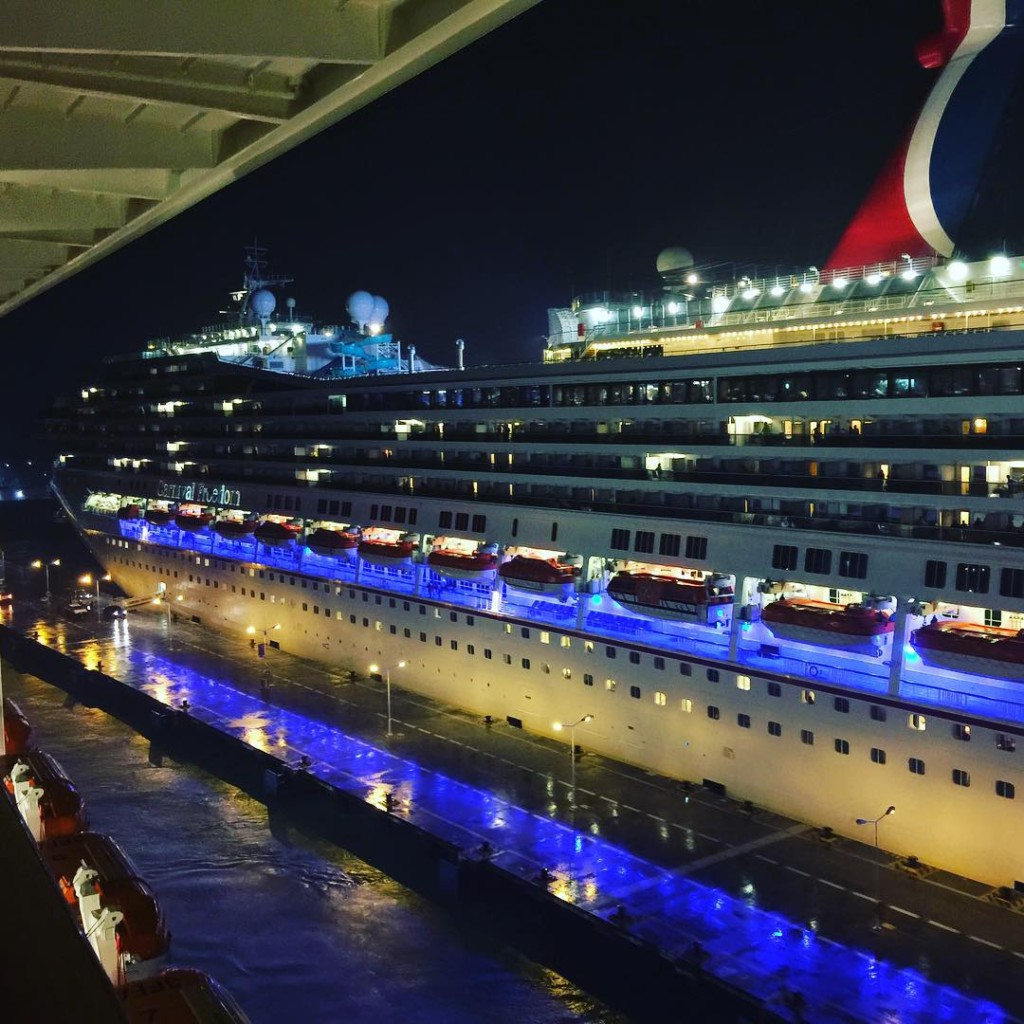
360, 308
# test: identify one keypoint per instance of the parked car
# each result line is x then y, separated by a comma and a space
113, 611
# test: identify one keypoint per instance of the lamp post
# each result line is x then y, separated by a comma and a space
571, 726
878, 882
40, 564
386, 669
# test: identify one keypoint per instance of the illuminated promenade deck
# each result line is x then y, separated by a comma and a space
595, 858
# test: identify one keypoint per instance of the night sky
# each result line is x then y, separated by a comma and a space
558, 154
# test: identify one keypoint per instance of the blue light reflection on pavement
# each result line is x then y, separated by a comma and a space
758, 951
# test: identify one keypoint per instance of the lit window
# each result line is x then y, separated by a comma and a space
962, 732
806, 696
545, 636
610, 684
685, 704
567, 673
660, 698
743, 682
917, 722
566, 641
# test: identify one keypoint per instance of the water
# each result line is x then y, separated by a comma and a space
296, 929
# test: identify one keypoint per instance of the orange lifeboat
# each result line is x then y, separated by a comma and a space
232, 527
832, 625
464, 565
17, 731
333, 543
192, 521
276, 533
143, 933
668, 596
972, 647
539, 575
62, 808
382, 551
180, 996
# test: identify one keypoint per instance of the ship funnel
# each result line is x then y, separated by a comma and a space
412, 358
460, 346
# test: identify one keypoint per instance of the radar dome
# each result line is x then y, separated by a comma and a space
674, 259
380, 310
263, 302
360, 307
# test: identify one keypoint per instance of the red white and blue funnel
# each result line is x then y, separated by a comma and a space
919, 202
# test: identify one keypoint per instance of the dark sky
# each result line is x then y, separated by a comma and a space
558, 154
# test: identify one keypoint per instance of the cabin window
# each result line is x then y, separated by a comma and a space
1011, 583
524, 632
774, 728
525, 663
488, 654
659, 664
685, 704
610, 685
842, 705
470, 648
1007, 790
685, 668
916, 765
713, 712
669, 544
818, 560
784, 556
620, 540
479, 524
507, 659
807, 696
743, 682
444, 519
774, 689
567, 673
806, 736
697, 547
961, 732
712, 675
878, 714
660, 698
842, 746
634, 657
935, 574
853, 564
971, 578
554, 532
917, 722
1005, 742
634, 692
743, 721
643, 542
877, 755
588, 679
610, 652
961, 777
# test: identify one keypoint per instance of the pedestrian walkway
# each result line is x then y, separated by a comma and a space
629, 854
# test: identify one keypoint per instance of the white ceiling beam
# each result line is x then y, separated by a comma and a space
265, 100
140, 182
28, 209
319, 30
37, 138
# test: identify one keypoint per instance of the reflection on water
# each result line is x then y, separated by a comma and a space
297, 930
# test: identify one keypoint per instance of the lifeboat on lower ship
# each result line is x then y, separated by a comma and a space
971, 647
464, 564
128, 512
159, 516
333, 543
192, 520
539, 575
17, 731
667, 596
388, 548
277, 532
823, 623
61, 808
142, 934
232, 527
180, 995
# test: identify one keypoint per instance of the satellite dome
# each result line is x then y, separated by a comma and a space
360, 307
263, 302
674, 259
380, 310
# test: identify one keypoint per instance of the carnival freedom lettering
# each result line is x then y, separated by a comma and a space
201, 493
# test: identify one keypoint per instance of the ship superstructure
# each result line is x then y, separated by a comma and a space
764, 533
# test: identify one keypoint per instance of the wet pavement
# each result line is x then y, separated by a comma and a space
762, 901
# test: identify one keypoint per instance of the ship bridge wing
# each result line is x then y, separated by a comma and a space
117, 116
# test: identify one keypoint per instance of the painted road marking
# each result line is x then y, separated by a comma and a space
797, 871
944, 927
984, 942
901, 910
831, 885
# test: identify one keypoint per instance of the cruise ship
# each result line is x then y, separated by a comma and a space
760, 533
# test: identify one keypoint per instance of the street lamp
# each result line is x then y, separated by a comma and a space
40, 564
375, 669
878, 892
571, 726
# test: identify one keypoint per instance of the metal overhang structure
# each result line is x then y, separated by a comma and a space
115, 116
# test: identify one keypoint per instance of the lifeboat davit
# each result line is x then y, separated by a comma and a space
333, 543
276, 534
971, 647
180, 995
464, 565
192, 522
17, 731
232, 528
666, 596
539, 575
143, 933
389, 552
62, 808
159, 516
808, 621
128, 512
